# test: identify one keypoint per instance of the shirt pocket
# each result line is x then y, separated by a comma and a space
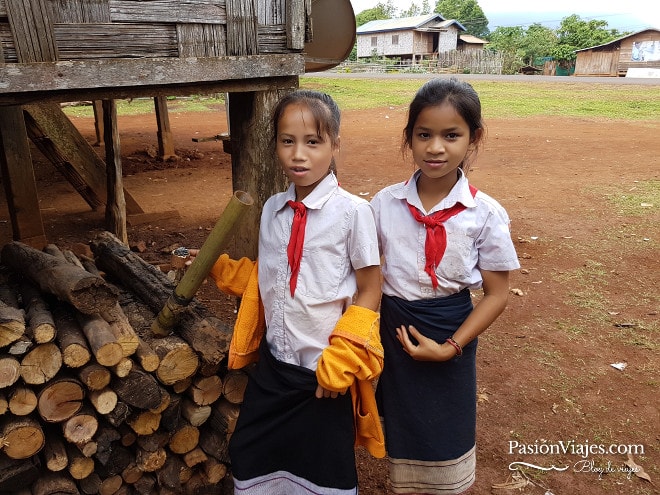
320, 275
459, 258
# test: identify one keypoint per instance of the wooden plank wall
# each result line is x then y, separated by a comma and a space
50, 30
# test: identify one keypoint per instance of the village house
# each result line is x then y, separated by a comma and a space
633, 55
410, 39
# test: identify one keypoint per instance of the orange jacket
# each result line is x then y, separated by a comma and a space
353, 359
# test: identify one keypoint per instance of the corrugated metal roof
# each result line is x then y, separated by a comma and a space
617, 40
468, 38
398, 24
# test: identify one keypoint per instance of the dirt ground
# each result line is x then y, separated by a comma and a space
586, 297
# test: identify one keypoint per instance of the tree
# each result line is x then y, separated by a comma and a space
414, 10
539, 41
575, 33
380, 11
509, 41
467, 12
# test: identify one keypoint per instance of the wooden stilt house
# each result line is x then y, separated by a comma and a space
54, 51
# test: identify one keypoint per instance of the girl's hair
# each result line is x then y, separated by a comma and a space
459, 94
322, 106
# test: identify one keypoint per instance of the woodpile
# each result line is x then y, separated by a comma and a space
90, 401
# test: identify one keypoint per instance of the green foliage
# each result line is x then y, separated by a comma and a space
467, 12
380, 11
575, 34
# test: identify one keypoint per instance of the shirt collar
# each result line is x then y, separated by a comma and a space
460, 193
315, 199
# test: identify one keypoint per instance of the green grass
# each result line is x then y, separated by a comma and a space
510, 99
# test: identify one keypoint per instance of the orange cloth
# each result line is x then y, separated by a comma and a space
354, 359
240, 278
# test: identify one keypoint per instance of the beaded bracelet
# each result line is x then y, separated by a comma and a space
455, 345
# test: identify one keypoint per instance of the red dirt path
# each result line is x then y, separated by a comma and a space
589, 278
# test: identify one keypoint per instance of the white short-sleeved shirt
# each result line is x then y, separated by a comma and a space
477, 238
340, 237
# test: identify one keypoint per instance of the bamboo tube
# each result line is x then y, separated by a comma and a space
202, 264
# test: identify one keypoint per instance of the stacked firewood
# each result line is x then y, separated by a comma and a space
91, 402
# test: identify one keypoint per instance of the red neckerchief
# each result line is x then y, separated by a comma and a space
296, 241
436, 235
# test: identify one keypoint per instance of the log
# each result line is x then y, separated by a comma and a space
94, 376
102, 342
146, 356
138, 389
194, 457
233, 387
144, 422
4, 405
184, 439
145, 485
205, 390
22, 401
178, 360
22, 437
54, 453
10, 371
41, 364
131, 474
123, 367
86, 292
60, 399
121, 328
40, 321
105, 440
90, 485
111, 485
194, 414
80, 428
54, 484
80, 467
12, 324
70, 337
150, 462
214, 470
15, 474
104, 401
207, 335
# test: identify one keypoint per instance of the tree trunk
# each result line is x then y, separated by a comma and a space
86, 292
70, 337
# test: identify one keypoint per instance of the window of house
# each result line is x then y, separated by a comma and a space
374, 41
395, 39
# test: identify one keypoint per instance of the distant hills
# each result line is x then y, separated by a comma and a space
622, 22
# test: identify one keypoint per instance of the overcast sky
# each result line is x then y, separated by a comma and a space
621, 15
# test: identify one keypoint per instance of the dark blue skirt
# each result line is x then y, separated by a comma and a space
284, 434
429, 408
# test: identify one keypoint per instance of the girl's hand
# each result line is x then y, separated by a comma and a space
427, 349
324, 393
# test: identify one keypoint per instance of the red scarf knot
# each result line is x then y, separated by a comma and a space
436, 235
296, 241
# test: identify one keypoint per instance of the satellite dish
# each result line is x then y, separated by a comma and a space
333, 30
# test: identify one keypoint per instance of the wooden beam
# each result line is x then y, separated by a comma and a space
65, 81
70, 152
254, 168
18, 179
115, 205
164, 134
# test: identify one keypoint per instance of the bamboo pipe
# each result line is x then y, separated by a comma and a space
201, 266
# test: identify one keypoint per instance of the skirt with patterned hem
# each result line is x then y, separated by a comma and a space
429, 409
288, 442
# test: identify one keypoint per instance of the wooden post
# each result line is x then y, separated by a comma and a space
97, 105
254, 167
115, 205
18, 179
165, 141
